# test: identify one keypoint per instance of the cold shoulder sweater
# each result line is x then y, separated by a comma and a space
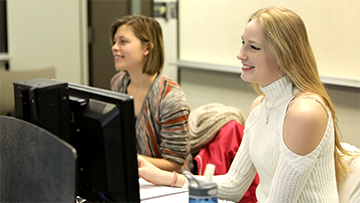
284, 175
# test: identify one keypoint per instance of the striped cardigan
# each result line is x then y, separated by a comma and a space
161, 126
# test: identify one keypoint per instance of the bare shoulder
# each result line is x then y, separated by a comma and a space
305, 124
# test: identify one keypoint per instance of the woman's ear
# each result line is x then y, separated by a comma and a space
149, 47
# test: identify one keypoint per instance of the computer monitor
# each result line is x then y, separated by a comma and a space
45, 103
102, 130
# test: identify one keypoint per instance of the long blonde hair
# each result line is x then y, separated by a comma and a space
286, 36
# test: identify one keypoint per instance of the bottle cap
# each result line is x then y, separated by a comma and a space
205, 188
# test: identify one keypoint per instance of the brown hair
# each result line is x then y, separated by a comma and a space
148, 30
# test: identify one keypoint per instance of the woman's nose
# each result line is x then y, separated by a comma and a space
241, 55
114, 47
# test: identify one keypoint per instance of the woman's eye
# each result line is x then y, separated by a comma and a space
255, 48
120, 41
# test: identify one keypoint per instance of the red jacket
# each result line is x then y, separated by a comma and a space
221, 151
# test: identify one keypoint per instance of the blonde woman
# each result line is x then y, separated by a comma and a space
291, 137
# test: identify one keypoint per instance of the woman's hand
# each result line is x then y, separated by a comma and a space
163, 164
156, 176
151, 173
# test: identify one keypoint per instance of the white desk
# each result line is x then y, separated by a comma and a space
173, 198
150, 193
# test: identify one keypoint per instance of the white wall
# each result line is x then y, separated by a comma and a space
170, 35
2, 65
43, 33
203, 87
210, 31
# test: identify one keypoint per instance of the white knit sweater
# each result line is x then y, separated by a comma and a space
284, 175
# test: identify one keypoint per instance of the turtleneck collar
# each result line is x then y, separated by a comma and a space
277, 91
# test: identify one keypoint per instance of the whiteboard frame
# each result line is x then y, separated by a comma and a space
348, 82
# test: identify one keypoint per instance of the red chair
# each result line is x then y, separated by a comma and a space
221, 152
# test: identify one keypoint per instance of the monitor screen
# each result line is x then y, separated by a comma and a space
102, 130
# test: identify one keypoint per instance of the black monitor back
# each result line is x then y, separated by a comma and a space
99, 123
45, 103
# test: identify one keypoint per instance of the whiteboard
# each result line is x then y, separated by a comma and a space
210, 32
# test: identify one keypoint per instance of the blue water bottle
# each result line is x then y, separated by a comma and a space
201, 191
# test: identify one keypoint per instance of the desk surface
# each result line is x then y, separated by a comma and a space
150, 193
179, 197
